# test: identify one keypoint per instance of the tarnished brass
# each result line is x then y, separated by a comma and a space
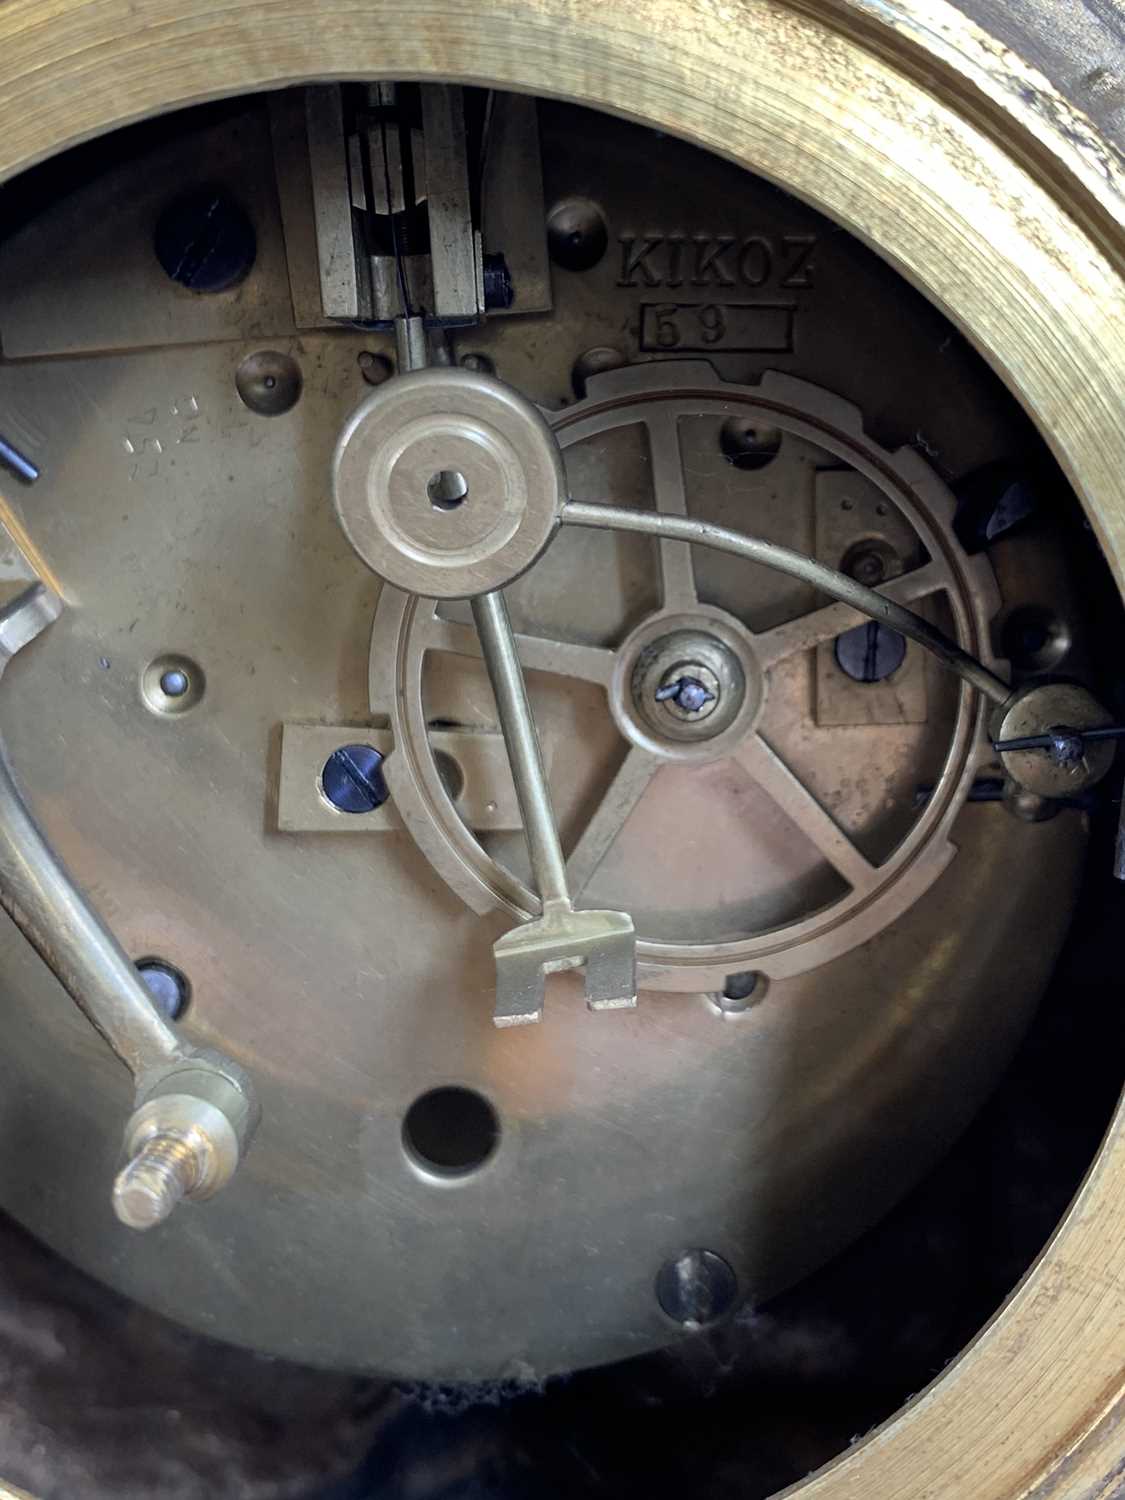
448, 482
346, 975
649, 437
913, 128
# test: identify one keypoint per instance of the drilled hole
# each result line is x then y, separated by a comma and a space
172, 684
1035, 639
447, 489
451, 773
740, 986
451, 1131
747, 445
269, 383
740, 992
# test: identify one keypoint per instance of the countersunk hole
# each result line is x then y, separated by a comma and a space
447, 489
740, 992
450, 1131
870, 561
166, 985
1035, 639
351, 779
204, 240
452, 776
269, 383
870, 653
696, 1288
747, 445
172, 684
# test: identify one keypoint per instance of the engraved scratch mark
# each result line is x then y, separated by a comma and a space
147, 451
26, 432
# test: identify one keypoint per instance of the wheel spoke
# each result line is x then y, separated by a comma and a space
807, 631
536, 653
802, 808
625, 791
677, 574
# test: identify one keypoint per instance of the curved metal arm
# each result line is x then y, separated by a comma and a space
196, 1111
52, 913
58, 922
784, 560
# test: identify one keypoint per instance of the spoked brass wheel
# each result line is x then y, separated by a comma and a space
971, 177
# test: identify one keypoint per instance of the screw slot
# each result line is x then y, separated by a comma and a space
351, 779
448, 489
870, 653
450, 1131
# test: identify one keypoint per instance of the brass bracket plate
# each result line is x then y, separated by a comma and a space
477, 770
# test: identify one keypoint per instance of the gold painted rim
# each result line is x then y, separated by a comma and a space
912, 127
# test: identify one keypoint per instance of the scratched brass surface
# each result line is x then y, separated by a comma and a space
341, 972
1032, 275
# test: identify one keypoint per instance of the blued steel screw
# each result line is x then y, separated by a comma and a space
352, 780
870, 652
205, 241
19, 463
167, 986
688, 692
498, 289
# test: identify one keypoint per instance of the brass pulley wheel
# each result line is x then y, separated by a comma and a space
969, 176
